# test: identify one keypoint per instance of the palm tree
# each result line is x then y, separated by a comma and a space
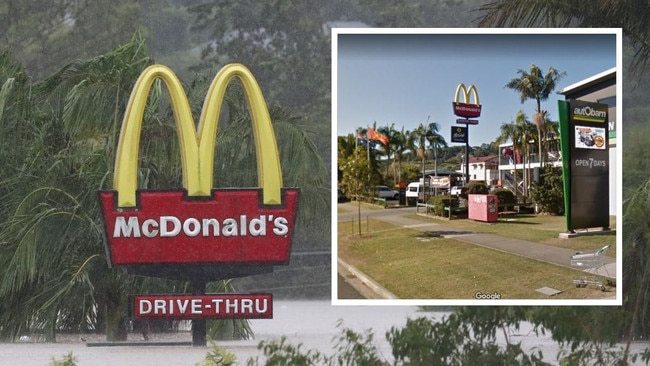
519, 132
537, 86
636, 272
631, 16
400, 140
436, 141
421, 135
390, 150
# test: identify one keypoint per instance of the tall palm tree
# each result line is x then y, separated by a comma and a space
390, 149
519, 132
423, 134
400, 140
538, 86
436, 141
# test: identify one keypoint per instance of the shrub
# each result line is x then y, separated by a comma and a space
440, 202
505, 196
475, 187
549, 192
68, 360
218, 356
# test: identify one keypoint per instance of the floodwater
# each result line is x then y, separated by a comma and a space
314, 324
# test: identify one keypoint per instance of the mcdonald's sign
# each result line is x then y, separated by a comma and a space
466, 109
198, 225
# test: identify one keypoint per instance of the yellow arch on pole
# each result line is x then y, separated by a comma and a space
197, 149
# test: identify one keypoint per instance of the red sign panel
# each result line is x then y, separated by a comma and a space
232, 226
483, 207
467, 110
217, 306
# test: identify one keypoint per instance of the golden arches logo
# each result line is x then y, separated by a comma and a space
467, 92
241, 225
466, 108
197, 147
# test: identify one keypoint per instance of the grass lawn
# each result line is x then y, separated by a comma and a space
414, 265
539, 229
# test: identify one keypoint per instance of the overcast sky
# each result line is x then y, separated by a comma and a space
405, 77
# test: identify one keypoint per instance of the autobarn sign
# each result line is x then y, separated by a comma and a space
215, 306
585, 158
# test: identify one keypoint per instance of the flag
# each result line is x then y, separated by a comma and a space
361, 140
377, 136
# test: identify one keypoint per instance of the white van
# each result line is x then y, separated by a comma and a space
414, 193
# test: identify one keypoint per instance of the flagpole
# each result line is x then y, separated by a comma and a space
368, 149
356, 163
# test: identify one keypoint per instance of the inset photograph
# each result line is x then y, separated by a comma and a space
477, 166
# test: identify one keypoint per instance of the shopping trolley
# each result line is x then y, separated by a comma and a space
589, 263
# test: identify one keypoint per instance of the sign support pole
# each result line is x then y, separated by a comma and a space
199, 326
467, 158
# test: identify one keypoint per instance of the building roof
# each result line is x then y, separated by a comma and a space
441, 172
482, 159
589, 82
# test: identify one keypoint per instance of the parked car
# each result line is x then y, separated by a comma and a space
413, 193
386, 192
455, 190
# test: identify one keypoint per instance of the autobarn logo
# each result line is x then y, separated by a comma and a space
589, 113
172, 227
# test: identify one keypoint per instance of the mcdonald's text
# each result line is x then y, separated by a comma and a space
467, 110
172, 226
218, 306
229, 227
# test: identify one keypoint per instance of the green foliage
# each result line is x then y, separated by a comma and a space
636, 250
352, 348
505, 196
68, 360
218, 356
357, 348
358, 177
549, 192
478, 335
283, 353
453, 341
440, 202
637, 155
476, 187
421, 342
411, 173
